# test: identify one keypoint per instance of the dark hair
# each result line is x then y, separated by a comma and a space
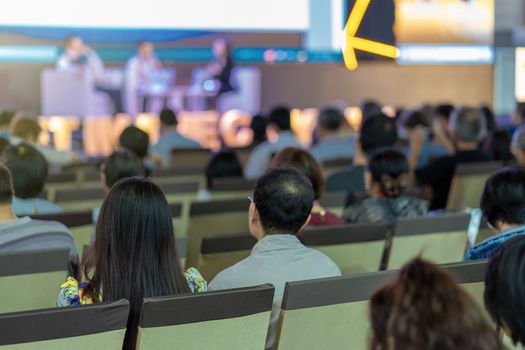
387, 167
6, 185
377, 132
135, 140
134, 254
280, 117
284, 199
258, 126
331, 118
425, 308
415, 118
223, 164
302, 162
28, 168
120, 164
505, 288
444, 110
503, 199
518, 139
4, 143
499, 147
168, 117
25, 128
520, 110
469, 124
370, 108
490, 119
6, 117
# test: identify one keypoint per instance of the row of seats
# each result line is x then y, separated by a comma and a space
329, 313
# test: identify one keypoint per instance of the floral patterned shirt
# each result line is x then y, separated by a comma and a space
72, 292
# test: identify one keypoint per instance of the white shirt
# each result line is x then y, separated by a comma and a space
93, 64
139, 71
276, 259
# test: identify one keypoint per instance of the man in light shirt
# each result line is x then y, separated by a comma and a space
280, 121
281, 206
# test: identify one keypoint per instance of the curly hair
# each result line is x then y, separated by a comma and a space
424, 308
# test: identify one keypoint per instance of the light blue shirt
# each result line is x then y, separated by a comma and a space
276, 259
332, 148
34, 206
429, 151
171, 141
262, 154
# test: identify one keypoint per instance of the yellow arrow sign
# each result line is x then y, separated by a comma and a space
353, 43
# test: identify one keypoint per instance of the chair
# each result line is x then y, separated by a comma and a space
31, 280
220, 252
328, 313
471, 276
350, 179
468, 183
216, 217
334, 201
234, 319
79, 222
355, 248
440, 239
190, 157
80, 198
225, 188
98, 326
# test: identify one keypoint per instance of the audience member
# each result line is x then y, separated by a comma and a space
4, 143
26, 129
137, 141
29, 170
500, 146
518, 118
261, 155
425, 309
26, 234
303, 162
258, 126
281, 206
331, 144
387, 200
505, 289
134, 255
503, 206
6, 118
442, 115
468, 128
370, 108
222, 165
170, 138
518, 146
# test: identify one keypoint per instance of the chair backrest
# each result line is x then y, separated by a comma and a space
355, 248
334, 201
233, 187
220, 252
190, 157
441, 239
31, 280
98, 326
234, 319
471, 276
80, 198
328, 313
468, 183
216, 217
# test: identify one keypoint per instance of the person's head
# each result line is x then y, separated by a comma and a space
146, 49
468, 126
74, 46
389, 170
329, 121
280, 118
5, 119
121, 164
503, 199
258, 125
221, 165
500, 146
168, 118
281, 203
412, 119
505, 288
25, 128
377, 132
370, 108
425, 308
136, 140
518, 145
29, 170
302, 162
221, 48
519, 114
490, 118
444, 111
6, 186
134, 254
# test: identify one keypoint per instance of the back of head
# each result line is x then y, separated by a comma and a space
168, 118
468, 124
331, 119
135, 140
518, 139
520, 111
280, 117
377, 132
284, 200
258, 125
444, 111
29, 170
6, 117
120, 164
414, 118
370, 108
221, 165
490, 118
389, 168
424, 308
6, 186
503, 198
505, 288
134, 254
302, 162
25, 128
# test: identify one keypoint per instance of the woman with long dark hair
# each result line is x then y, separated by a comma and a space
134, 254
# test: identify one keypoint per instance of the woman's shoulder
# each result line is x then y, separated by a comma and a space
72, 292
196, 282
